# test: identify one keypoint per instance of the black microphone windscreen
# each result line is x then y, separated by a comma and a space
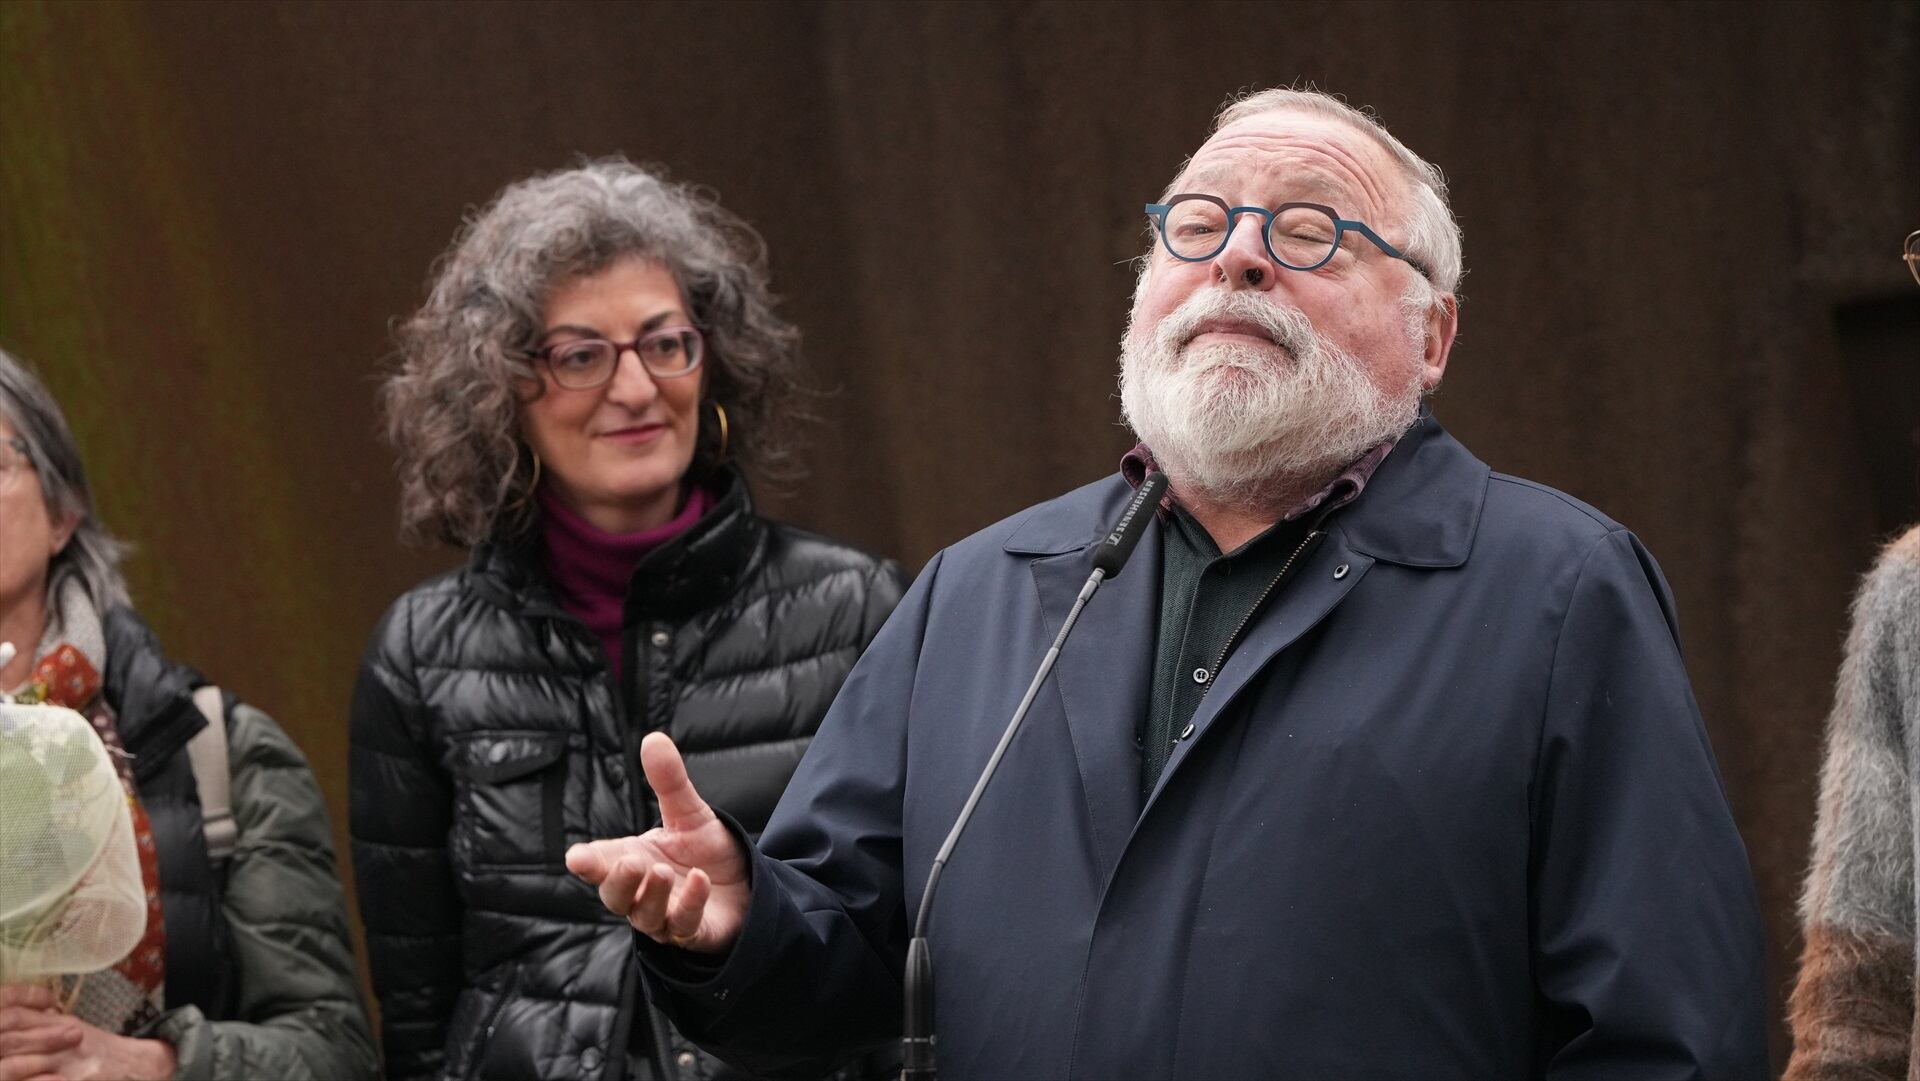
1114, 548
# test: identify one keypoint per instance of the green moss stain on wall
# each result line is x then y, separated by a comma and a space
117, 284
52, 290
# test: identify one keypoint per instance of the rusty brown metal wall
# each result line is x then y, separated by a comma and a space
1674, 213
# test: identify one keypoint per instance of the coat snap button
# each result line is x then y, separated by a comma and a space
1340, 571
1187, 731
661, 638
1201, 675
685, 1058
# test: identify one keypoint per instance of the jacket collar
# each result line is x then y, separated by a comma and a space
1421, 508
691, 572
150, 695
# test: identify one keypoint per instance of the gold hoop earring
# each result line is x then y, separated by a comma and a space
720, 411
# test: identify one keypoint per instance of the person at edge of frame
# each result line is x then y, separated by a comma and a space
1852, 1009
245, 968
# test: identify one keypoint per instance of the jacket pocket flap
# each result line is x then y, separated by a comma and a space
503, 756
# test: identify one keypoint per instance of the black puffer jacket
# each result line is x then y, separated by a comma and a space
488, 735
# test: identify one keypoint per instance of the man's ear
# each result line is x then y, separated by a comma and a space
1443, 325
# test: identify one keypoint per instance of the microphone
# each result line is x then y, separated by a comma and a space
1110, 554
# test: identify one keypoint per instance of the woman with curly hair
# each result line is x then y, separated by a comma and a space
597, 370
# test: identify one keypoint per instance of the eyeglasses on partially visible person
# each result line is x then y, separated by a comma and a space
1911, 254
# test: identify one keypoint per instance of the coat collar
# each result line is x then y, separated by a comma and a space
1420, 509
150, 695
689, 573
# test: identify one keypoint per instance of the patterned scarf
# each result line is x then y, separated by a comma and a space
71, 655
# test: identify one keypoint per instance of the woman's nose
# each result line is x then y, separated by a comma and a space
632, 384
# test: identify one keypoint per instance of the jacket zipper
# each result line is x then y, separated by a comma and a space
507, 988
1248, 618
632, 696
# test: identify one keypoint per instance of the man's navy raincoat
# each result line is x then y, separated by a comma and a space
1448, 810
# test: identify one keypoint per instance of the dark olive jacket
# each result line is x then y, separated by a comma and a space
489, 734
259, 965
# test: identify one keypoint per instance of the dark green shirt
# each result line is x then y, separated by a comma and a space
1206, 599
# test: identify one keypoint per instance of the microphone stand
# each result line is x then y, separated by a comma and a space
917, 1040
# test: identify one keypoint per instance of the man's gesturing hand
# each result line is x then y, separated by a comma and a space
683, 883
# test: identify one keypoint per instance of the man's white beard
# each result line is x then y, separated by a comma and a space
1237, 424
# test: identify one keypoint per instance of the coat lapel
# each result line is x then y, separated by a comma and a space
1420, 509
1103, 677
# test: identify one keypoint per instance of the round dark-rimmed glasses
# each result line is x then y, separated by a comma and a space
586, 363
1299, 236
1912, 254
14, 461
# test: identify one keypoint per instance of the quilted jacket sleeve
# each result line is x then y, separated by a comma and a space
298, 1009
816, 970
400, 809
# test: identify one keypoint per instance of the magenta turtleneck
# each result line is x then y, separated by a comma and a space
591, 567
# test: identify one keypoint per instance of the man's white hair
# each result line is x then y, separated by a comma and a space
1432, 237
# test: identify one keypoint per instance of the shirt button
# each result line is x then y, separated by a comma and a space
1340, 571
661, 638
1201, 675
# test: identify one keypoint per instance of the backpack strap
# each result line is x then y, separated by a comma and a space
207, 751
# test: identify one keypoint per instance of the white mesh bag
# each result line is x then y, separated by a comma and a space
71, 899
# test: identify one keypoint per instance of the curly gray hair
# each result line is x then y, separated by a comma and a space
91, 558
453, 407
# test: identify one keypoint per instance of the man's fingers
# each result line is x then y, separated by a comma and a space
649, 913
680, 805
34, 996
688, 907
621, 882
590, 862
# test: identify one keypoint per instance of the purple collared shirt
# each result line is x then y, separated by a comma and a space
1339, 492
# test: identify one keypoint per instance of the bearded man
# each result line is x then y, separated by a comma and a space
1375, 763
